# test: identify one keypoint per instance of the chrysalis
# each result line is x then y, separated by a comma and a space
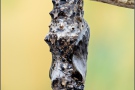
68, 41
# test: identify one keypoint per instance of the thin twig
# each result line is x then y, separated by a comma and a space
121, 3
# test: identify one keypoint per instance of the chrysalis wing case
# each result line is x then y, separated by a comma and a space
68, 40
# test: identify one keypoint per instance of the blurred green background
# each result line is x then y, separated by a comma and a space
26, 58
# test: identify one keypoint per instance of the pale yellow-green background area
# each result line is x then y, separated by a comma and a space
26, 58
